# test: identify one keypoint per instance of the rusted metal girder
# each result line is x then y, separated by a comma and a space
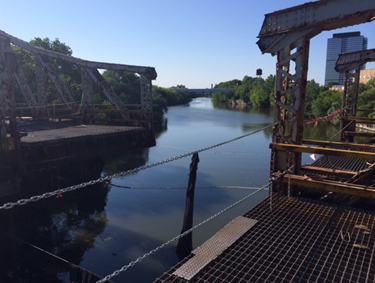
329, 186
351, 60
41, 79
58, 83
349, 63
146, 102
21, 80
9, 137
349, 102
87, 101
108, 91
43, 64
283, 27
147, 71
287, 33
328, 171
355, 146
321, 150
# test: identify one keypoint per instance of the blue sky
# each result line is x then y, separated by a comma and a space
191, 42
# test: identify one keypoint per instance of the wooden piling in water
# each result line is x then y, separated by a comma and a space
185, 244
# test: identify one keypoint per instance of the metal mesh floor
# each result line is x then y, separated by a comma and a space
298, 241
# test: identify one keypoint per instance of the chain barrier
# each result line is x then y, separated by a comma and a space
131, 264
131, 171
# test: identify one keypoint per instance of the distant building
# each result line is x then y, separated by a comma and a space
337, 87
342, 43
366, 75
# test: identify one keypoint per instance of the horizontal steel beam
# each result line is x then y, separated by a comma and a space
335, 172
321, 150
329, 186
359, 134
357, 146
351, 60
150, 72
311, 18
363, 120
203, 89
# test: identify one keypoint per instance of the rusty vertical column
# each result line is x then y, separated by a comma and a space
146, 107
41, 80
87, 103
290, 92
9, 134
185, 244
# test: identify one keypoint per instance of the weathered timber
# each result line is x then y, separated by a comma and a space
185, 244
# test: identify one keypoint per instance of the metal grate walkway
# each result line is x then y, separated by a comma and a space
298, 241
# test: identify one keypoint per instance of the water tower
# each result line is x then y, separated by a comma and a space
259, 73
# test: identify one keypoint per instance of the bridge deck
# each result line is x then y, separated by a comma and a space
42, 133
298, 241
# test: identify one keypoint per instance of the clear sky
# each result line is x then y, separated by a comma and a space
191, 42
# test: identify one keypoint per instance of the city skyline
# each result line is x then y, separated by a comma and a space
192, 43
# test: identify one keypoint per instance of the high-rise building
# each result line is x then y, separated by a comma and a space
342, 43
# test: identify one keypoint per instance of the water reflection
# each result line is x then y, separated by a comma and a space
66, 226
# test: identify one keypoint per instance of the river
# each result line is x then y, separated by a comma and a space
110, 225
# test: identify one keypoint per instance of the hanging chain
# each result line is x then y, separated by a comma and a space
107, 178
131, 264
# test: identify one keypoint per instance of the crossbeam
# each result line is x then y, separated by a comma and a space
282, 27
356, 146
359, 134
335, 172
329, 186
351, 60
363, 120
325, 151
148, 71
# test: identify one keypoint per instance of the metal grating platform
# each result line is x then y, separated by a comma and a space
76, 132
298, 241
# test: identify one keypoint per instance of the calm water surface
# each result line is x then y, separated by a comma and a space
151, 213
104, 227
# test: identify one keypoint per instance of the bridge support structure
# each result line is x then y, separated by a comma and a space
350, 63
36, 104
287, 33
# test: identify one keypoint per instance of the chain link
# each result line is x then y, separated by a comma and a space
131, 171
131, 264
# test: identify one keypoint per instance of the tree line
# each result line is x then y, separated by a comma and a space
319, 100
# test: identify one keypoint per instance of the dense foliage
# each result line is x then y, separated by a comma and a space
320, 100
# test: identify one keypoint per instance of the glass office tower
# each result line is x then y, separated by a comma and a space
342, 43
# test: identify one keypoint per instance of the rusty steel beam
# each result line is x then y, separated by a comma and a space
283, 27
329, 186
356, 146
38, 51
21, 80
325, 171
363, 120
351, 60
58, 83
108, 91
359, 134
320, 150
87, 100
